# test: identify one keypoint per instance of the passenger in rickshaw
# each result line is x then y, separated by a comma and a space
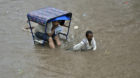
51, 35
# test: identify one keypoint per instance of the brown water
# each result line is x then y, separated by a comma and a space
116, 28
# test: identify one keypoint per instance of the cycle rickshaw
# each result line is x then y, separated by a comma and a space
46, 15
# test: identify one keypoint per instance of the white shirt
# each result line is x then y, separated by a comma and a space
84, 44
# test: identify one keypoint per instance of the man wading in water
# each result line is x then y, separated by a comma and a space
87, 43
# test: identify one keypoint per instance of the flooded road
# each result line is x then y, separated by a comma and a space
115, 24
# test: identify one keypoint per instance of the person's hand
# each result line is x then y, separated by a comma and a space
52, 32
93, 49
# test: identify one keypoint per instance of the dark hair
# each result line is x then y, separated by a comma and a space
88, 32
62, 22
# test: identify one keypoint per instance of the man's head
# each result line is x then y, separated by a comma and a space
55, 23
89, 35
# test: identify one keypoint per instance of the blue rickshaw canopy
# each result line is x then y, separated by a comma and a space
42, 16
60, 18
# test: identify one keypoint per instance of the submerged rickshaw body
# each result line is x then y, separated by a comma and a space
46, 15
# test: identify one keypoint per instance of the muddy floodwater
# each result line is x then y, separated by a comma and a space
116, 27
